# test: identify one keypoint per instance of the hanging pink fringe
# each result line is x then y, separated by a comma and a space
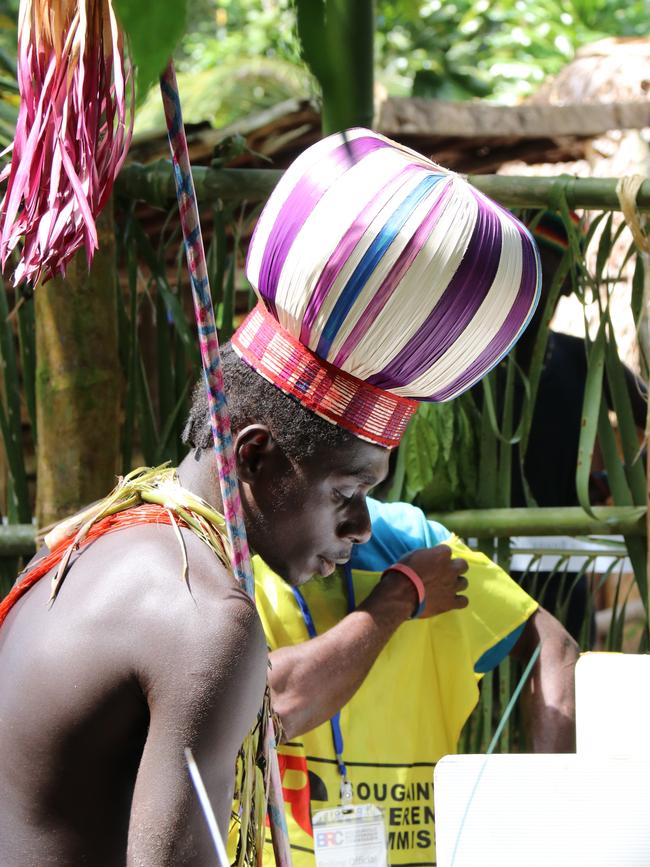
72, 134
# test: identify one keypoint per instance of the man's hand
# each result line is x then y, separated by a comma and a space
441, 575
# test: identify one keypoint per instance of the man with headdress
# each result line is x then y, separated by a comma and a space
383, 279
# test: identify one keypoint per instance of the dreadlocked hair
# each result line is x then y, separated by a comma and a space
254, 400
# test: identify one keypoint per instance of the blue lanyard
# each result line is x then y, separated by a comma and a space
335, 721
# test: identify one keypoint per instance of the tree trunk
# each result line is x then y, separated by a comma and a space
78, 382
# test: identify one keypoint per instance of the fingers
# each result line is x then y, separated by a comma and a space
461, 584
459, 565
460, 602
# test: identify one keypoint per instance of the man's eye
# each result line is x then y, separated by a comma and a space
343, 496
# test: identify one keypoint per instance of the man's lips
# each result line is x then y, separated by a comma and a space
327, 565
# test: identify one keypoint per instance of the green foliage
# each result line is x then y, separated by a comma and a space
237, 57
477, 48
158, 347
154, 29
244, 55
440, 449
227, 92
223, 31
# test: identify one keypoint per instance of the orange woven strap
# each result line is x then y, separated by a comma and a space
147, 513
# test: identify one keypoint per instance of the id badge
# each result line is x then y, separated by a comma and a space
350, 836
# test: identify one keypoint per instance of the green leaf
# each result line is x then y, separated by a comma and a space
618, 484
164, 370
590, 412
445, 413
130, 352
620, 397
172, 301
637, 289
337, 44
170, 424
487, 486
622, 496
153, 30
146, 417
27, 339
421, 449
395, 491
505, 449
539, 350
604, 248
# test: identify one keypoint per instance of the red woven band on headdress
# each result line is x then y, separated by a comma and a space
365, 410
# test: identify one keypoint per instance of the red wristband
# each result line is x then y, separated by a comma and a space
415, 579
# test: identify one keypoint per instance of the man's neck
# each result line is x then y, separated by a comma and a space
198, 473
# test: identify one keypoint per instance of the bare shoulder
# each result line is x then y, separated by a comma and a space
161, 602
176, 585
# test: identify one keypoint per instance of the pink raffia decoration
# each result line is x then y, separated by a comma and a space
72, 135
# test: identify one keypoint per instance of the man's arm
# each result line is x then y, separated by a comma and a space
202, 670
549, 696
313, 680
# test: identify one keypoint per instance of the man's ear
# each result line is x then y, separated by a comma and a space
255, 451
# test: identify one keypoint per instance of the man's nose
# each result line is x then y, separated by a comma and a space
356, 525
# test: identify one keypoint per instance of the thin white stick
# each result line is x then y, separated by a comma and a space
206, 806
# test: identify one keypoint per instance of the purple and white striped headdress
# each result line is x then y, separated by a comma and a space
383, 280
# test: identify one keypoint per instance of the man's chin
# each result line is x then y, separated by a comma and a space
294, 576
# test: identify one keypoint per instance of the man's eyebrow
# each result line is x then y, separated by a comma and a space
361, 472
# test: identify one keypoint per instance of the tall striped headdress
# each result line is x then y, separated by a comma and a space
383, 279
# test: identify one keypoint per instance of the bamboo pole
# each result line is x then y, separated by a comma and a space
529, 192
569, 521
154, 183
18, 540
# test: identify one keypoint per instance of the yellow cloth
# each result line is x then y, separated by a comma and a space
408, 713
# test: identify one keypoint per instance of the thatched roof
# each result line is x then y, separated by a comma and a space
610, 71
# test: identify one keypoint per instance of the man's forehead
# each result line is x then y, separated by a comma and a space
364, 461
